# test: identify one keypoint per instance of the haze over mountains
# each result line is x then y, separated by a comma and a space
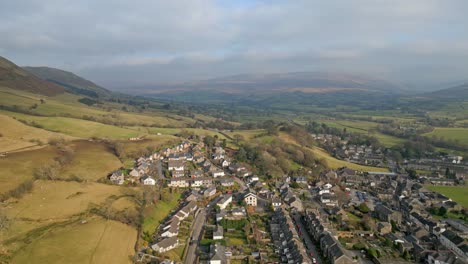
263, 89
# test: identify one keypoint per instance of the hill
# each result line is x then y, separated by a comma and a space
70, 81
15, 77
307, 82
282, 91
457, 93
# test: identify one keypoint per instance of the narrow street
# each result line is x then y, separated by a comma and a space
198, 224
308, 242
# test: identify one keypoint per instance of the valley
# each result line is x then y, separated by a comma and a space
61, 143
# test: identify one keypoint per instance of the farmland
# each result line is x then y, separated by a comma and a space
91, 161
82, 243
452, 133
19, 167
459, 193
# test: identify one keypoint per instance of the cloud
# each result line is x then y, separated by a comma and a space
121, 43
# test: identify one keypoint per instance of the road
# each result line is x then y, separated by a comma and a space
198, 224
308, 242
159, 169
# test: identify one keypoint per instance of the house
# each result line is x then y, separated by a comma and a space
250, 199
197, 182
217, 254
177, 165
148, 180
300, 179
386, 214
218, 233
455, 243
239, 211
177, 173
276, 202
336, 255
224, 201
117, 177
217, 173
329, 199
172, 229
166, 244
227, 182
178, 183
225, 163
196, 173
210, 191
134, 173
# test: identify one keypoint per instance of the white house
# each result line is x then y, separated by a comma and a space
250, 199
225, 163
217, 173
197, 183
178, 183
149, 181
224, 201
166, 244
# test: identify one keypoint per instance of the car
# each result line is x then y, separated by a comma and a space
314, 260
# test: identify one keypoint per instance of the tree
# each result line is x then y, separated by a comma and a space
442, 211
363, 208
241, 155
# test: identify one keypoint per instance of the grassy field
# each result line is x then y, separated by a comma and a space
454, 133
457, 193
19, 167
91, 161
16, 135
97, 241
156, 214
68, 105
59, 200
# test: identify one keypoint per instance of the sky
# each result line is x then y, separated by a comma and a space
119, 43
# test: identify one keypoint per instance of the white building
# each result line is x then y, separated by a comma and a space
250, 199
224, 201
166, 245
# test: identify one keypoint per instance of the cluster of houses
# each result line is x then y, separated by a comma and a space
146, 171
318, 228
287, 242
169, 231
366, 155
401, 206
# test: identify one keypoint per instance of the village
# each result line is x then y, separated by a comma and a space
228, 214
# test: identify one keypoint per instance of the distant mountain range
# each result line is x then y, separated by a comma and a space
305, 82
299, 88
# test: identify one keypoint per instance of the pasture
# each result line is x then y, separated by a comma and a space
16, 135
450, 133
58, 200
19, 167
457, 193
96, 241
91, 161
